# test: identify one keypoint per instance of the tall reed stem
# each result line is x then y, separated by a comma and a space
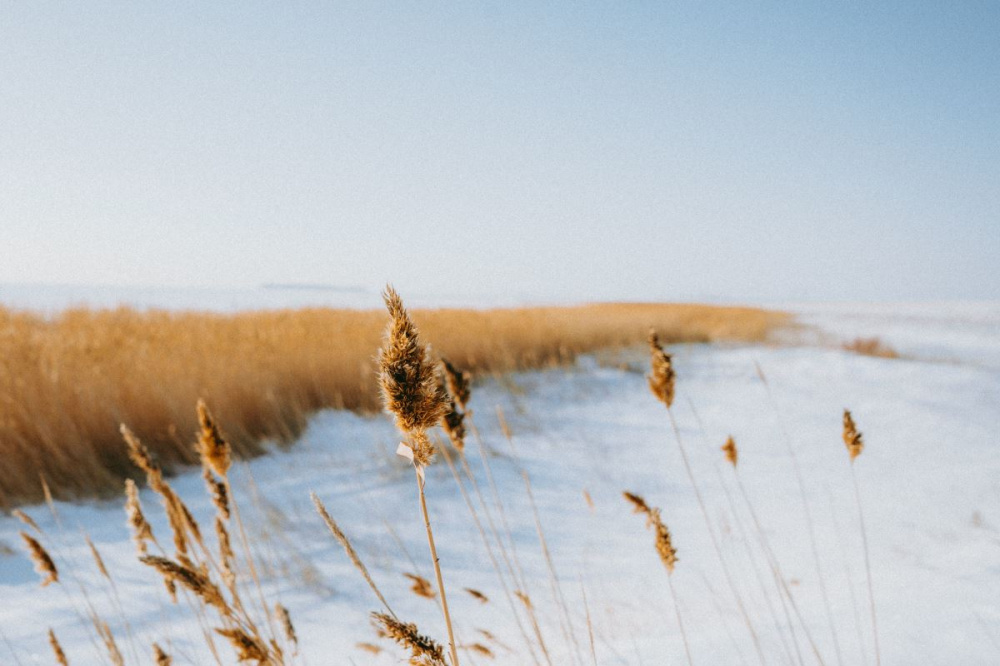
437, 570
868, 566
680, 620
714, 538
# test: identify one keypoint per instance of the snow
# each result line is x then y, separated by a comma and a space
929, 479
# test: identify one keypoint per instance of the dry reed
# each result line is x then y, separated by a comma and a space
855, 445
414, 396
67, 380
57, 650
44, 565
424, 651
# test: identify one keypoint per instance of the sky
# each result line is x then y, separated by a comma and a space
586, 151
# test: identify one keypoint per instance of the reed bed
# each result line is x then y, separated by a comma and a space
218, 579
67, 381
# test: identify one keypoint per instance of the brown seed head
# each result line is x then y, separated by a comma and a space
421, 586
410, 390
285, 619
44, 565
217, 490
664, 546
160, 657
424, 651
661, 377
98, 560
481, 650
212, 446
226, 555
248, 648
141, 530
638, 503
141, 458
459, 383
477, 595
852, 437
187, 576
57, 649
453, 421
26, 519
732, 455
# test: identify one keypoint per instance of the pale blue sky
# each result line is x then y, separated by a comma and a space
749, 151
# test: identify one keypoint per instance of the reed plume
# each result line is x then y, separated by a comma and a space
212, 447
247, 647
852, 437
424, 651
414, 395
285, 620
44, 565
665, 549
459, 383
26, 519
732, 453
421, 586
160, 657
855, 444
662, 376
352, 554
410, 388
141, 529
190, 578
57, 650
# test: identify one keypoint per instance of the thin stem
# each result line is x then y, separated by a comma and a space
437, 568
805, 507
715, 541
868, 566
680, 620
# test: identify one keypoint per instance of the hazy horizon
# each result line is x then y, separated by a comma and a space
558, 153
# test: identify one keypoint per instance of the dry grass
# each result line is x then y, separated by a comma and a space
67, 382
870, 347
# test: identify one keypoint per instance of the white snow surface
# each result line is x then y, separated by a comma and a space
929, 480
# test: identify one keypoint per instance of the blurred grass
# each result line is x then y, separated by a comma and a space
68, 381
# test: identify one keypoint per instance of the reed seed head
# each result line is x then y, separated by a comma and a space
248, 648
217, 491
477, 595
664, 544
459, 383
57, 650
852, 436
160, 657
421, 586
285, 619
662, 376
352, 554
453, 421
98, 560
189, 577
141, 530
732, 455
213, 448
410, 388
44, 565
26, 519
424, 651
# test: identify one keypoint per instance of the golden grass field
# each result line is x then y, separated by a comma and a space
67, 382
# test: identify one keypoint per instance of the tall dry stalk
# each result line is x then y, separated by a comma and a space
665, 549
787, 438
855, 445
662, 381
412, 394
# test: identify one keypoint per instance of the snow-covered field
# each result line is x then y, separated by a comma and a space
929, 479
